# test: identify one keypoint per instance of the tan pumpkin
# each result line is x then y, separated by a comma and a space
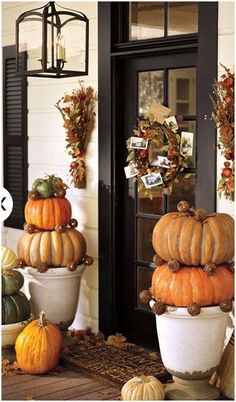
194, 239
143, 388
47, 213
53, 248
192, 285
38, 346
8, 259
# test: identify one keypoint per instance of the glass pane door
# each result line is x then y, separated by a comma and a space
171, 81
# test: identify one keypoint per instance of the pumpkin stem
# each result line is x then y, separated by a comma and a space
42, 319
144, 378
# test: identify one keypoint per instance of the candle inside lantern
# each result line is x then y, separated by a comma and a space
60, 48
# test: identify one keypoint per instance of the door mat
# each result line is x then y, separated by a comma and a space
116, 365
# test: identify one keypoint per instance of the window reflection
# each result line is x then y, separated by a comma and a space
182, 90
146, 20
145, 251
182, 17
184, 190
150, 88
144, 279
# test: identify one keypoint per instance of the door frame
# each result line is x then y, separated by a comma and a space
111, 16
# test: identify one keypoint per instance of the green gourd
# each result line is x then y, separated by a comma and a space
12, 282
15, 308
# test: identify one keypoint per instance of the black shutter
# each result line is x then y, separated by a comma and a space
15, 137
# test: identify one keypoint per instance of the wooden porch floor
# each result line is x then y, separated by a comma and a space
65, 385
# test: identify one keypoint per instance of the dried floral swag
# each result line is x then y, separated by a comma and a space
223, 116
78, 113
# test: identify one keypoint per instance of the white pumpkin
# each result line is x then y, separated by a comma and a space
8, 259
143, 388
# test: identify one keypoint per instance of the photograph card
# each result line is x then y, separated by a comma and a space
159, 112
152, 180
186, 143
130, 171
138, 143
171, 123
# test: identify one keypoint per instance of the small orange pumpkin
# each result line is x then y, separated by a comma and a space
46, 213
192, 285
38, 346
194, 238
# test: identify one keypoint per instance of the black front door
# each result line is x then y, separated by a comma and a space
140, 63
170, 80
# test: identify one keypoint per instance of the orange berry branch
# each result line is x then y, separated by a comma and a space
223, 116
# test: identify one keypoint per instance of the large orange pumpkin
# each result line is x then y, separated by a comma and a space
53, 248
190, 241
48, 212
38, 346
192, 285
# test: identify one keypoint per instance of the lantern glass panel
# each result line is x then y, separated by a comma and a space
30, 42
74, 37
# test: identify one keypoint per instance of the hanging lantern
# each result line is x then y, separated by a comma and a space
52, 43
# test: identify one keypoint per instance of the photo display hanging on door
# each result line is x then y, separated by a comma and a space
158, 151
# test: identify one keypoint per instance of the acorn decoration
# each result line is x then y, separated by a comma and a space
43, 267
60, 228
194, 309
194, 267
87, 260
29, 228
183, 206
73, 223
159, 308
200, 214
173, 265
210, 269
145, 296
71, 266
158, 261
20, 263
226, 305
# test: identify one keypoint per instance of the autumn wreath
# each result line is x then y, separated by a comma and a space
223, 116
160, 142
78, 113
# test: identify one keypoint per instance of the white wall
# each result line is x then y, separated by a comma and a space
225, 57
46, 149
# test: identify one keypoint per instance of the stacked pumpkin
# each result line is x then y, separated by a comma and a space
15, 305
50, 238
194, 252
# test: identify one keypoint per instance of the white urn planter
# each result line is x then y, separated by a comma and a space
55, 291
191, 349
11, 331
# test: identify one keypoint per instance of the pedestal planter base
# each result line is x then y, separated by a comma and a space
55, 291
191, 390
191, 348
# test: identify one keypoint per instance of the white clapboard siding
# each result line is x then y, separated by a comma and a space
47, 153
